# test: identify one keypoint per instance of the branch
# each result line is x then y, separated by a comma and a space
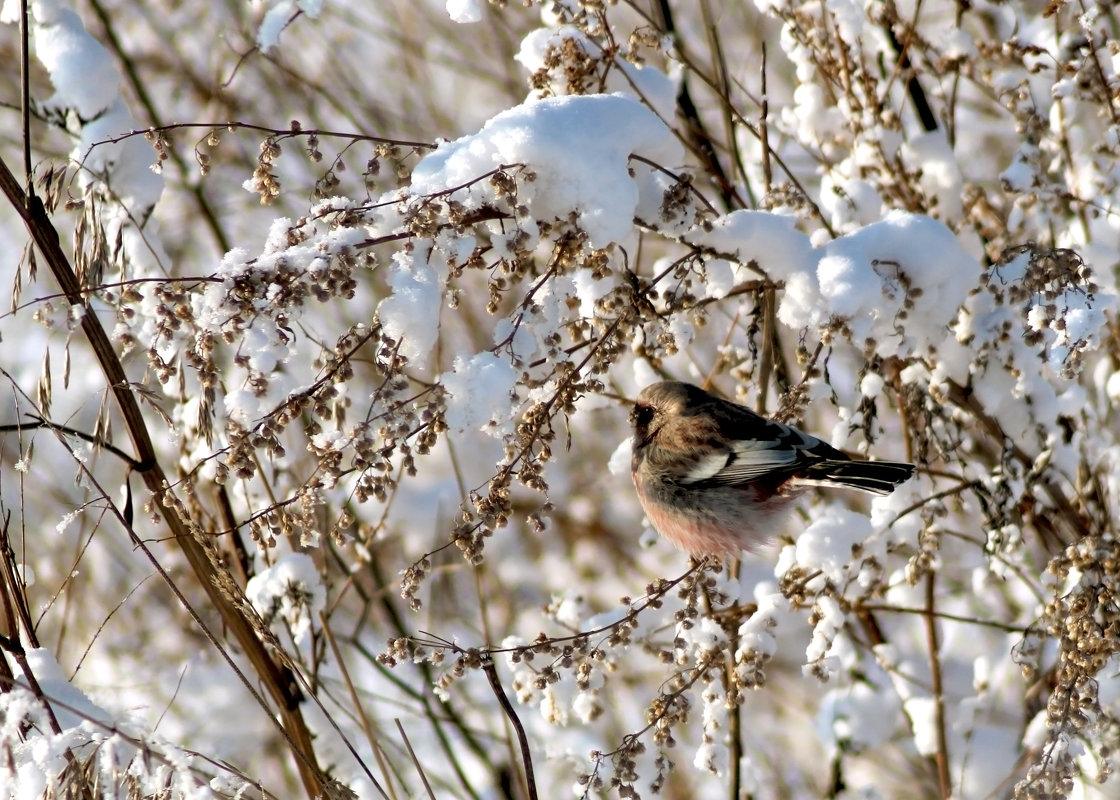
941, 759
527, 757
278, 680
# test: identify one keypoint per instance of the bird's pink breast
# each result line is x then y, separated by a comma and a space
700, 531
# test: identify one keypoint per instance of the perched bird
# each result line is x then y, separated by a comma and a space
715, 477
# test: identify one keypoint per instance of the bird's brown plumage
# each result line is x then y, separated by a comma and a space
713, 475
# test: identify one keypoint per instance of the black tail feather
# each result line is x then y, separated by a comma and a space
877, 477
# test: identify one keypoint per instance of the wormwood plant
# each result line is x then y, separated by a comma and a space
330, 495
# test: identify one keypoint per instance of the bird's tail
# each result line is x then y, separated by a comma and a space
877, 477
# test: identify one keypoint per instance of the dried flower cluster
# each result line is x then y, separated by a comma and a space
378, 432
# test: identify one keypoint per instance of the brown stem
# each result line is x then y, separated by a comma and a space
500, 693
932, 642
278, 680
17, 617
735, 733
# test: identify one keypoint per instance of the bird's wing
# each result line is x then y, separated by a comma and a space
745, 460
757, 448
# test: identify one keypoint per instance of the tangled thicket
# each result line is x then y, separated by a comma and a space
350, 508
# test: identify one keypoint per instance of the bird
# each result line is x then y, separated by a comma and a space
715, 478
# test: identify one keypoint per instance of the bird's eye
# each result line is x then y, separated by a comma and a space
641, 416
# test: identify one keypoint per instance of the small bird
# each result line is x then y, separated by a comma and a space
714, 477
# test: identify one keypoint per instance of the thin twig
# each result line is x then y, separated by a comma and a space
984, 623
359, 709
415, 760
25, 96
736, 712
937, 688
284, 133
764, 128
499, 692
96, 441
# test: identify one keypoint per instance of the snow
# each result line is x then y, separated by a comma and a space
849, 17
410, 315
619, 463
871, 385
279, 16
464, 11
894, 283
826, 545
479, 390
590, 289
71, 705
1112, 387
877, 239
857, 716
649, 85
719, 278
941, 177
831, 622
1019, 176
87, 92
519, 338
957, 43
812, 114
771, 241
81, 70
922, 712
579, 150
290, 590
243, 407
866, 278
